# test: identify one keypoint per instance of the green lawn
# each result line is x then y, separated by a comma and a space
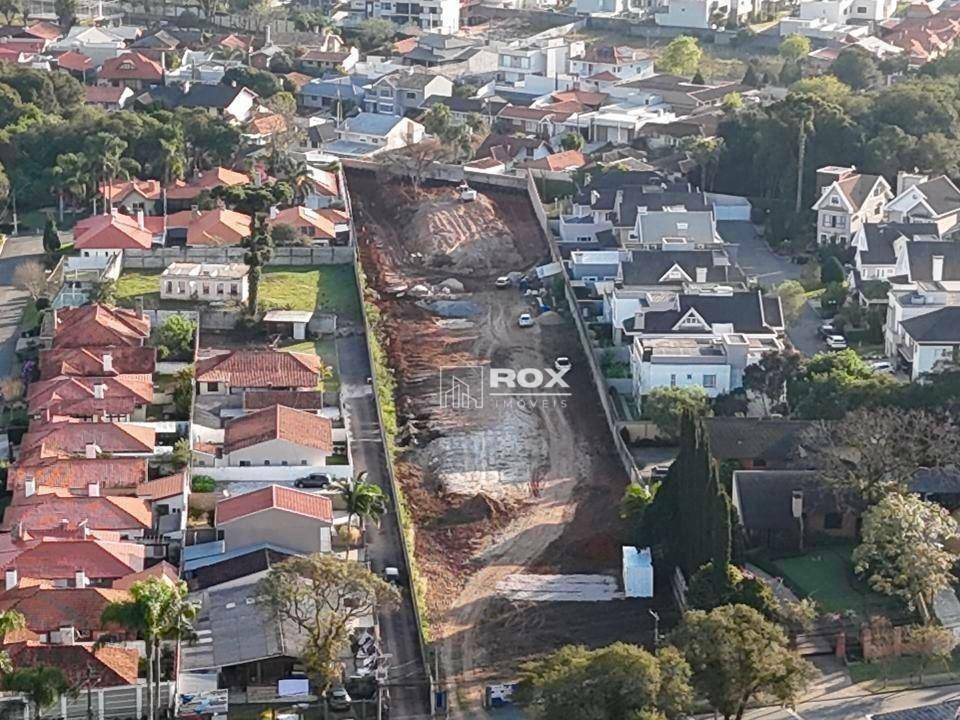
326, 348
906, 667
327, 288
141, 283
826, 575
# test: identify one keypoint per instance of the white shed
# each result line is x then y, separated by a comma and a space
637, 572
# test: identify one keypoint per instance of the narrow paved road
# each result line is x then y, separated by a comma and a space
757, 260
407, 682
13, 301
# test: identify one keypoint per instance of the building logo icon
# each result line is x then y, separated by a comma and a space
461, 388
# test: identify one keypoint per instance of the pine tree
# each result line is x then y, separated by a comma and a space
750, 77
767, 79
698, 79
51, 239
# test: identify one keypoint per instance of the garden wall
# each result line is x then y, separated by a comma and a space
162, 257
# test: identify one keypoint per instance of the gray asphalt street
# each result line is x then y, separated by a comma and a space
12, 301
756, 259
855, 704
407, 682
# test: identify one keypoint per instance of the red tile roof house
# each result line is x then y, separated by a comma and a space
277, 435
308, 223
114, 475
74, 562
97, 361
132, 70
107, 97
277, 515
103, 235
109, 666
56, 615
119, 398
565, 161
38, 514
99, 325
87, 440
182, 195
133, 195
238, 371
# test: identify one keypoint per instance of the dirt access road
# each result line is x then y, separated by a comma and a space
507, 487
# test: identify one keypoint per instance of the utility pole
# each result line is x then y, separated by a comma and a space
656, 628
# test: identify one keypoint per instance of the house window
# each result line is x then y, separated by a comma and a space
583, 238
219, 288
832, 521
213, 387
673, 381
266, 462
284, 463
206, 288
303, 462
169, 286
834, 200
233, 288
709, 381
244, 463
411, 96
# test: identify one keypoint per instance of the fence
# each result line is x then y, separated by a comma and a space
162, 257
120, 703
599, 380
443, 172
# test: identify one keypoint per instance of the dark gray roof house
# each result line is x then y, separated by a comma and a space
939, 711
745, 312
678, 267
940, 327
920, 256
198, 95
758, 442
764, 498
880, 238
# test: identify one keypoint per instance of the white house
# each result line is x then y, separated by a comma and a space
547, 58
205, 282
845, 12
277, 435
931, 340
436, 16
847, 200
619, 62
241, 371
368, 134
97, 43
278, 516
925, 200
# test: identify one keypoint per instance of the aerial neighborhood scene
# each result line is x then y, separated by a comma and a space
520, 359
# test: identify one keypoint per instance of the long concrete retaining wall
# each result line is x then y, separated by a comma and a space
162, 257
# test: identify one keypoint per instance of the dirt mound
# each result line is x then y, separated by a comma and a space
550, 318
476, 508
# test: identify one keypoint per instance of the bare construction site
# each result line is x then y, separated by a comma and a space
506, 495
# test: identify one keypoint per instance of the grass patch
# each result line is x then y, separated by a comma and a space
326, 288
326, 349
140, 283
899, 668
826, 575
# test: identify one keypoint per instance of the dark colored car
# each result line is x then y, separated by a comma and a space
314, 480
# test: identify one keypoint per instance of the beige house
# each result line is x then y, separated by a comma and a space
921, 199
278, 516
277, 435
206, 282
847, 199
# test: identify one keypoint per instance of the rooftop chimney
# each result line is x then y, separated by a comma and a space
80, 579
107, 362
99, 390
68, 635
10, 579
796, 504
701, 275
266, 42
91, 451
937, 269
274, 212
114, 212
29, 487
140, 218
93, 490
906, 180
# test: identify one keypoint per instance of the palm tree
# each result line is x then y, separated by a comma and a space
158, 611
111, 164
363, 500
299, 178
71, 176
42, 685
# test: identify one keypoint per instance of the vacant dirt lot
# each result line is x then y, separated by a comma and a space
508, 487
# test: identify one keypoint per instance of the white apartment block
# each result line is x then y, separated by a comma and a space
438, 16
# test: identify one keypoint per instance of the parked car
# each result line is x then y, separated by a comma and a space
659, 472
313, 480
827, 329
338, 698
562, 363
882, 366
525, 320
392, 575
836, 342
503, 282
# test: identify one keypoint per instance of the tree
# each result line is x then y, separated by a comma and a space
51, 238
833, 297
732, 102
665, 406
736, 655
572, 141
263, 83
175, 337
363, 500
690, 513
793, 298
790, 72
935, 645
31, 277
259, 250
284, 234
902, 553
324, 596
769, 378
874, 452
617, 682
183, 392
794, 48
825, 87
706, 153
181, 454
111, 164
831, 271
856, 68
10, 9
375, 33
41, 684
71, 176
413, 161
66, 12
698, 78
681, 57
750, 78
10, 621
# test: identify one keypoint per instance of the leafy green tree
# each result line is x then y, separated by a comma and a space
66, 11
41, 684
831, 271
175, 337
826, 87
769, 378
681, 57
10, 621
750, 77
856, 68
793, 298
737, 655
263, 83
375, 33
790, 72
903, 551
51, 238
706, 153
617, 682
363, 500
71, 176
834, 296
572, 141
183, 392
665, 406
732, 102
794, 48
324, 596
10, 9
698, 78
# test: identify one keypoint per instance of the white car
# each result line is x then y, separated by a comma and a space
882, 366
503, 282
525, 320
562, 363
836, 342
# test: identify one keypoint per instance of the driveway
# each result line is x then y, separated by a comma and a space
757, 260
408, 684
13, 301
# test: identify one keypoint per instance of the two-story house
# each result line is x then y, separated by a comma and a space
398, 92
546, 58
619, 62
847, 199
875, 259
132, 70
368, 134
921, 199
675, 230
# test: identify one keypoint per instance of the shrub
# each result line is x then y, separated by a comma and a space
202, 484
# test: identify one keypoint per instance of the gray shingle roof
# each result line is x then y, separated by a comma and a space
647, 267
880, 239
766, 497
772, 440
371, 123
939, 326
635, 198
942, 195
740, 309
921, 254
940, 711
857, 188
695, 227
